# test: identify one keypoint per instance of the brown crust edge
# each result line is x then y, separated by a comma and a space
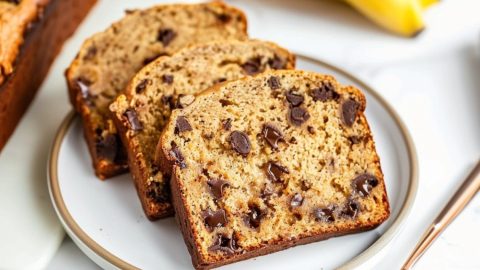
16, 92
105, 169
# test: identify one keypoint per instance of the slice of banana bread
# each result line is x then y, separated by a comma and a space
108, 60
170, 82
296, 163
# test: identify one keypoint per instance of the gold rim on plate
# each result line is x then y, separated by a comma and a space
73, 228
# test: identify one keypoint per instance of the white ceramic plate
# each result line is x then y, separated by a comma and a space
106, 221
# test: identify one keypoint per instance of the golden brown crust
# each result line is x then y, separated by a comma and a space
25, 30
96, 60
205, 65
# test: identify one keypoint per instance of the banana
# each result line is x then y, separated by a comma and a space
403, 17
427, 3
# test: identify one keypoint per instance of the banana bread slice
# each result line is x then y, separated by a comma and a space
170, 82
108, 60
295, 164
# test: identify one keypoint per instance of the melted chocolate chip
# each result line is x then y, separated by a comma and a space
227, 124
225, 102
240, 143
107, 147
298, 116
167, 78
349, 111
274, 82
311, 130
364, 183
158, 192
165, 36
324, 93
177, 156
254, 216
214, 219
275, 171
354, 139
276, 62
294, 99
272, 135
351, 208
132, 118
141, 86
91, 52
217, 186
252, 66
324, 215
225, 244
182, 125
224, 18
296, 201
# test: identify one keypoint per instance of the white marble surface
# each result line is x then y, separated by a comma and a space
432, 81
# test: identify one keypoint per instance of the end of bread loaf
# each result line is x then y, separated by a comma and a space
295, 164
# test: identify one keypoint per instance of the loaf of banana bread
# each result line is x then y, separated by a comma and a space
172, 82
272, 161
32, 33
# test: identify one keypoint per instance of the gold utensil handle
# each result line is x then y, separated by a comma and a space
457, 203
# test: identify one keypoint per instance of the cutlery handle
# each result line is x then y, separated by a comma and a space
457, 203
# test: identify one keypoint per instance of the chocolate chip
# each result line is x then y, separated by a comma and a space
182, 125
274, 82
167, 78
296, 201
16, 2
293, 140
276, 62
158, 192
354, 139
224, 18
227, 124
294, 99
272, 135
275, 171
311, 130
91, 52
225, 102
351, 208
141, 86
324, 93
168, 101
184, 100
107, 147
224, 243
254, 216
349, 111
364, 183
252, 66
298, 116
166, 36
217, 186
83, 85
219, 80
132, 118
324, 215
240, 143
214, 219
177, 156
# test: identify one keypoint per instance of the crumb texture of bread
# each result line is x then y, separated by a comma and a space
172, 82
296, 163
108, 60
